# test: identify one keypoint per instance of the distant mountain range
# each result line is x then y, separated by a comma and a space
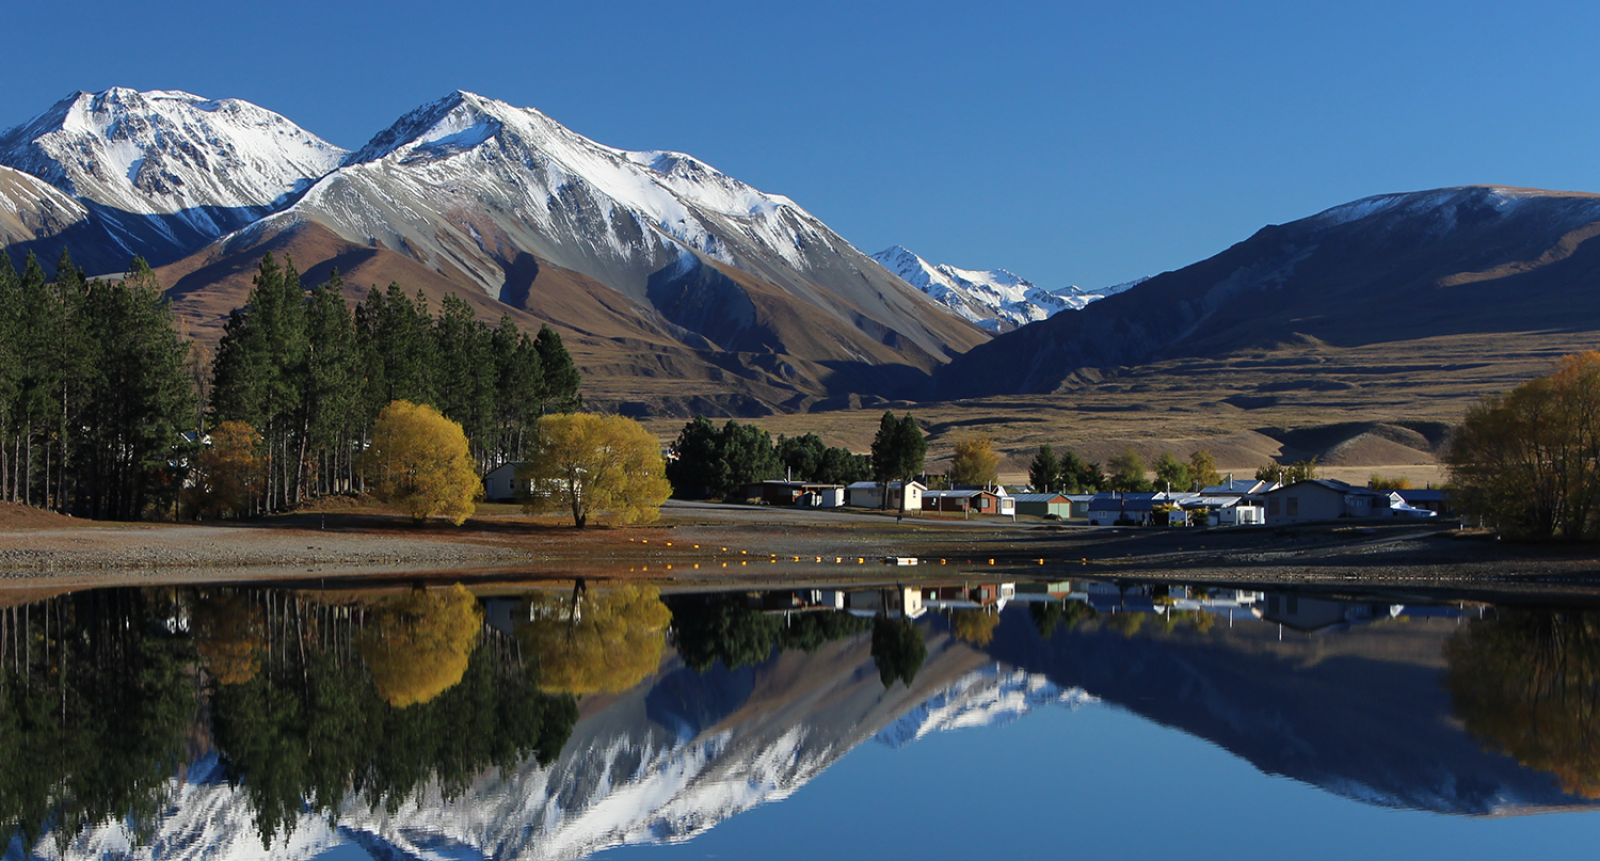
658, 265
1477, 260
681, 290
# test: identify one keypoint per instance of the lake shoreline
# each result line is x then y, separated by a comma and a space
715, 544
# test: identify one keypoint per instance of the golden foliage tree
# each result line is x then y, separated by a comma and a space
228, 633
419, 461
418, 646
1528, 462
1379, 481
1527, 683
1203, 468
975, 462
586, 463
974, 626
587, 644
228, 473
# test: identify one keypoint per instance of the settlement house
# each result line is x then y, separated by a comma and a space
869, 494
1224, 511
1045, 504
802, 493
966, 502
1323, 499
500, 485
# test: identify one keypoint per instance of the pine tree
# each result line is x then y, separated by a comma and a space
561, 379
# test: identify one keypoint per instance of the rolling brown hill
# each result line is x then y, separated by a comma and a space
1480, 261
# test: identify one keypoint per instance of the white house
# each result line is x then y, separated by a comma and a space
500, 485
868, 494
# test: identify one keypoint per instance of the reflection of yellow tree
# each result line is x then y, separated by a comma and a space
228, 635
420, 642
1527, 683
596, 643
973, 626
1126, 622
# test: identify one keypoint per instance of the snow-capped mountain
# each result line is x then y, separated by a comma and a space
995, 299
166, 171
472, 185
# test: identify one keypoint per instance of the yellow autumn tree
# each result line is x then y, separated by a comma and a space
419, 461
974, 626
228, 634
975, 462
586, 463
587, 644
228, 473
1526, 683
417, 647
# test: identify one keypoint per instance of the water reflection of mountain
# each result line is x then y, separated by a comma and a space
1362, 713
684, 751
662, 762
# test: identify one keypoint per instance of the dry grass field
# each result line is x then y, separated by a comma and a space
1383, 408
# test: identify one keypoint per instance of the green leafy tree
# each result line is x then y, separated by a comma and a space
1300, 470
802, 457
719, 463
1128, 472
1171, 472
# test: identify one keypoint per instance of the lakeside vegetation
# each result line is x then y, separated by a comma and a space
105, 407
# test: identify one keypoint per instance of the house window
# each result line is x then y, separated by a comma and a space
1292, 506
1272, 507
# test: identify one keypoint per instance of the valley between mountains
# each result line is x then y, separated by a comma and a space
1356, 335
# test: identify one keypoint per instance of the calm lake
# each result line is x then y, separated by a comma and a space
951, 719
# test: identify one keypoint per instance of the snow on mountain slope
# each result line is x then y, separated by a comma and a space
632, 774
995, 299
993, 696
31, 208
470, 185
168, 170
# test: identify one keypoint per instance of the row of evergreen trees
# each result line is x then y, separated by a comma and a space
311, 377
100, 397
718, 463
95, 390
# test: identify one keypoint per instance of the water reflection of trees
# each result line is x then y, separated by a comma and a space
1527, 683
898, 650
376, 701
99, 695
724, 627
95, 701
1048, 616
590, 643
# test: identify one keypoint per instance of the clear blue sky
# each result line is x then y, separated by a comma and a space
1070, 142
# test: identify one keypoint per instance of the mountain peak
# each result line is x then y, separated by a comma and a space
168, 168
996, 299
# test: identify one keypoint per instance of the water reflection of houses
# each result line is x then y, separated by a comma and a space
968, 596
1310, 615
